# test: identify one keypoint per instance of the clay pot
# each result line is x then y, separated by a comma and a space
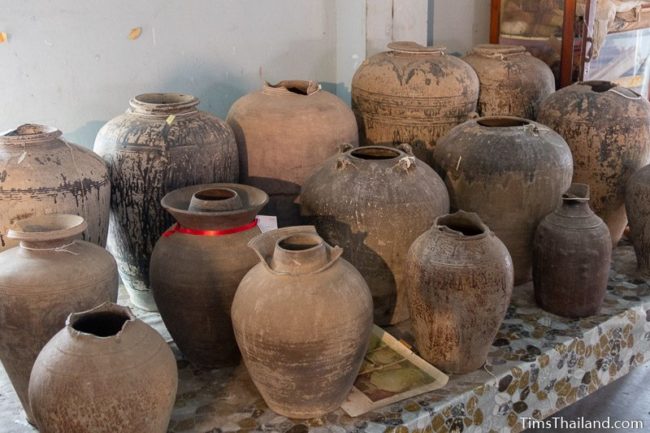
513, 82
105, 372
571, 257
374, 202
51, 274
160, 144
637, 204
302, 318
607, 128
44, 174
459, 279
284, 131
198, 263
412, 94
510, 171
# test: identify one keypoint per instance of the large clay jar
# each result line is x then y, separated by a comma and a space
513, 82
637, 204
571, 257
51, 274
412, 94
374, 202
105, 372
160, 144
607, 128
198, 263
510, 171
460, 278
284, 131
302, 319
44, 174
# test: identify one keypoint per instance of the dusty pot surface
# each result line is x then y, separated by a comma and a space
572, 254
105, 372
302, 318
160, 144
412, 94
44, 174
284, 131
510, 171
513, 82
374, 202
607, 128
51, 274
198, 263
637, 203
459, 279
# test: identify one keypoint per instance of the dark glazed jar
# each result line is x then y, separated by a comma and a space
106, 371
50, 275
302, 318
637, 203
572, 254
198, 263
607, 128
374, 202
42, 173
459, 279
284, 131
160, 144
512, 172
412, 94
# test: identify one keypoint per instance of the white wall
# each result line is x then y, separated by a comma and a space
461, 24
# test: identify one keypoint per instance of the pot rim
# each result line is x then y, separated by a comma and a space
292, 87
411, 47
471, 218
503, 122
497, 50
50, 227
163, 103
105, 307
29, 133
605, 86
369, 149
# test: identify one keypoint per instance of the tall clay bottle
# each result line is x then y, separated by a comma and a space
513, 82
459, 279
302, 318
512, 172
44, 174
637, 203
198, 263
412, 94
374, 202
284, 131
105, 372
572, 254
607, 128
160, 144
51, 274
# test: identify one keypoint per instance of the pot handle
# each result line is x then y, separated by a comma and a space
343, 162
405, 164
406, 148
473, 115
346, 147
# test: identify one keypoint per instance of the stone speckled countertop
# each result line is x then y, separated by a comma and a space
539, 363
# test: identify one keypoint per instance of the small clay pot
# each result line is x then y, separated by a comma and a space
373, 202
198, 263
105, 372
572, 254
460, 279
51, 274
302, 318
637, 204
513, 82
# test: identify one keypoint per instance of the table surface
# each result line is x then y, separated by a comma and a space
539, 363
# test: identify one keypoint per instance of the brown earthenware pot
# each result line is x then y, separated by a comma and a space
44, 174
607, 128
160, 144
513, 82
459, 279
105, 372
198, 263
51, 274
284, 131
572, 254
374, 202
412, 94
302, 318
637, 203
510, 171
